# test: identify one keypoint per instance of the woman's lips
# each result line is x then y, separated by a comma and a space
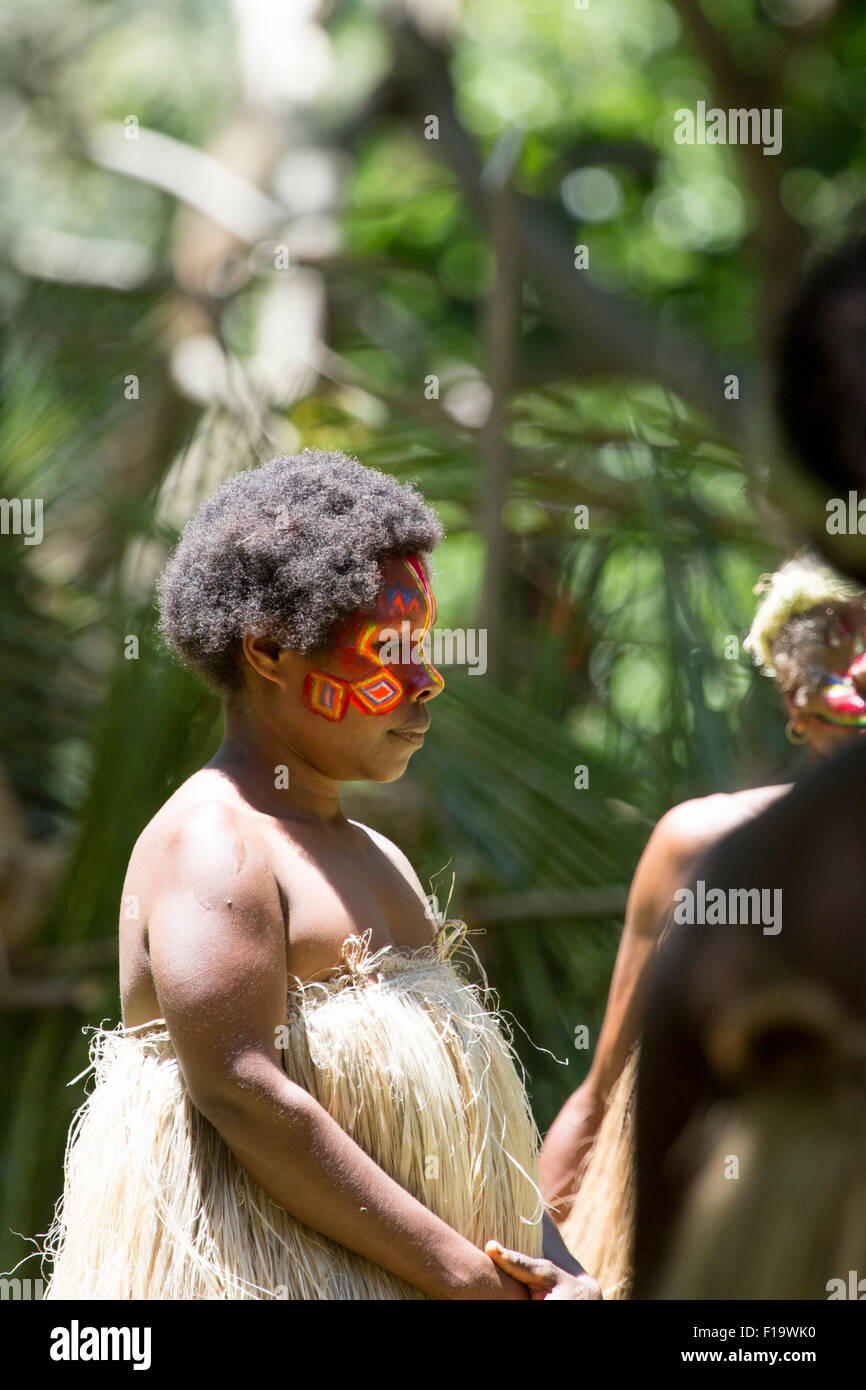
415, 736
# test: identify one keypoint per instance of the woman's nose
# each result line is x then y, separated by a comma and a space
424, 683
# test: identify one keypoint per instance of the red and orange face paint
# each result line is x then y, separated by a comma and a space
838, 699
360, 676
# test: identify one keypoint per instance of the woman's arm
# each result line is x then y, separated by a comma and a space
663, 867
218, 957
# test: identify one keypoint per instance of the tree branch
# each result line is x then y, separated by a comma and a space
599, 331
780, 239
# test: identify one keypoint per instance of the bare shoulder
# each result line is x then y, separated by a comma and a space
689, 828
682, 835
207, 905
396, 856
204, 841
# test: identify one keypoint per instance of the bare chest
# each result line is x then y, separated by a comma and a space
331, 895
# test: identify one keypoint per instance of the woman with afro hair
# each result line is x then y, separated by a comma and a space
306, 1099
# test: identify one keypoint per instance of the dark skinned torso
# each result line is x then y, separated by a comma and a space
331, 881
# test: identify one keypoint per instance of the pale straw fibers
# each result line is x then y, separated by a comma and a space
599, 1228
407, 1056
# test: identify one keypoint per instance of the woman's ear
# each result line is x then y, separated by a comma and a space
264, 656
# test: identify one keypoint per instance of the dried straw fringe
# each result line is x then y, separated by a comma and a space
407, 1057
599, 1228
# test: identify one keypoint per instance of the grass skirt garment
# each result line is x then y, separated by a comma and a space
400, 1050
599, 1228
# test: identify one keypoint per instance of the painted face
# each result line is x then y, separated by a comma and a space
377, 658
838, 697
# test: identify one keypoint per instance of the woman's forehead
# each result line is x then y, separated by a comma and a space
405, 590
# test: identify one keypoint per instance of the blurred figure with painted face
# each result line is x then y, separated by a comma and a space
807, 635
751, 1106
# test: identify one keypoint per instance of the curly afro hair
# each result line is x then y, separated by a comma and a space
285, 551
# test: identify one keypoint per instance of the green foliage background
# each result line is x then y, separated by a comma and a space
558, 388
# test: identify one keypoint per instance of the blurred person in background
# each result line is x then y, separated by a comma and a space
751, 1104
807, 635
